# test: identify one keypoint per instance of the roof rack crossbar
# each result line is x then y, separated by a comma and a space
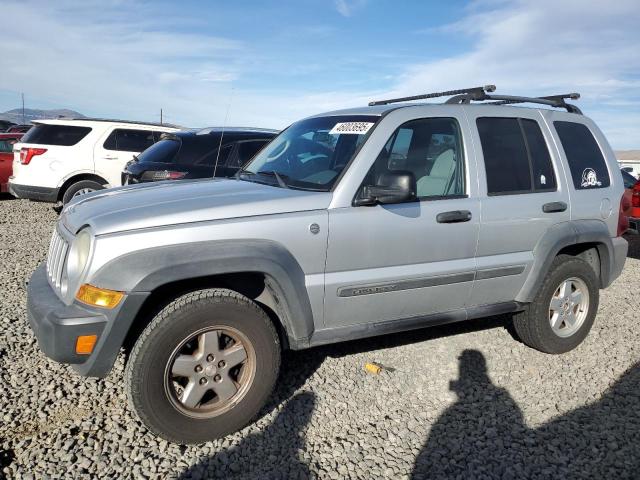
474, 92
552, 100
557, 101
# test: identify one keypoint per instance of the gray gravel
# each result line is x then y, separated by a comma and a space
511, 413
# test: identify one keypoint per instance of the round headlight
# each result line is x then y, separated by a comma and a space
78, 255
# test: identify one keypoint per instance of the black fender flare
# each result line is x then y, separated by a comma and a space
147, 269
564, 235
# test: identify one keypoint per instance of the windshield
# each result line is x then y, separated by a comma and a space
310, 154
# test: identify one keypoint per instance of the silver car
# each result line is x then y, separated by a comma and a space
349, 224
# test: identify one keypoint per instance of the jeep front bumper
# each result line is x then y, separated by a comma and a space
57, 326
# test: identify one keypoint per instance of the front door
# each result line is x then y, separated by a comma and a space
389, 262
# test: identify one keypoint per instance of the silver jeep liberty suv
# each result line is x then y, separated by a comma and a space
354, 223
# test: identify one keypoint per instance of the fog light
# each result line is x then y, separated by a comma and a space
85, 344
99, 297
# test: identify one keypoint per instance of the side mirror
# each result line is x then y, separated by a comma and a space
391, 187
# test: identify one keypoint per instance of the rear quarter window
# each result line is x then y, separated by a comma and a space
128, 140
60, 135
586, 162
163, 151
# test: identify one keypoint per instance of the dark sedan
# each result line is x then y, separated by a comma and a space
205, 153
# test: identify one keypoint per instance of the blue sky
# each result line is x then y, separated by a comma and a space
270, 63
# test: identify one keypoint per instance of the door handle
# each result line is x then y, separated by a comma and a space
456, 216
553, 207
109, 157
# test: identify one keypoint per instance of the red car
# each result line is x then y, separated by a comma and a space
6, 157
631, 201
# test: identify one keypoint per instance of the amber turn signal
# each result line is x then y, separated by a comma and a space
99, 297
85, 344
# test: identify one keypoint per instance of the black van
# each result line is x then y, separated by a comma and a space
201, 153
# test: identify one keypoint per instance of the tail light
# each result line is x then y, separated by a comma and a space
635, 197
623, 220
26, 154
158, 175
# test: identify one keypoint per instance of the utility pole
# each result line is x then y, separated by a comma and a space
160, 116
23, 122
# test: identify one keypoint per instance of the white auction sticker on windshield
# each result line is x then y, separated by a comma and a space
357, 128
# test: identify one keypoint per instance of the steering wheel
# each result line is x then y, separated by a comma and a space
283, 148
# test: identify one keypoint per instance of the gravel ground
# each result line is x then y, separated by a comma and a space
461, 401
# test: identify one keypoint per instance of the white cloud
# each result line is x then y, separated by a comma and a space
129, 62
347, 7
545, 47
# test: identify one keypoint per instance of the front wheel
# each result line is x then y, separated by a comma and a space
203, 367
564, 309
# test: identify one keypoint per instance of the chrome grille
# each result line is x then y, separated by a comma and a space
56, 258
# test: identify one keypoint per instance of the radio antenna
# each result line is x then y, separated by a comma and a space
226, 116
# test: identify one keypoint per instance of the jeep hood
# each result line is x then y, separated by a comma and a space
175, 202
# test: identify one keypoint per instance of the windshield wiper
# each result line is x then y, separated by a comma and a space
278, 176
241, 172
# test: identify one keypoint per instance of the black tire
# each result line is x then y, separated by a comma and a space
532, 325
74, 188
145, 372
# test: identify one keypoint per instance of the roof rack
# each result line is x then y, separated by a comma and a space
115, 120
552, 100
480, 94
557, 101
474, 91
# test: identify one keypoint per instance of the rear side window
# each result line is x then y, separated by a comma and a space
185, 150
6, 146
628, 179
162, 152
127, 140
516, 157
199, 150
246, 151
60, 135
586, 162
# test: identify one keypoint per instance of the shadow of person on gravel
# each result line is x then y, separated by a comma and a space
483, 434
275, 452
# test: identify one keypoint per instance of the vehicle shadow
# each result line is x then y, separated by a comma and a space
6, 196
275, 452
634, 246
483, 434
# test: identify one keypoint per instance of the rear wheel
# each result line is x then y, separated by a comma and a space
80, 188
204, 366
561, 315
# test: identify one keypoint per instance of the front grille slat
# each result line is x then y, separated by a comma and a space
58, 250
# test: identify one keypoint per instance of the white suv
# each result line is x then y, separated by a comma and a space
59, 159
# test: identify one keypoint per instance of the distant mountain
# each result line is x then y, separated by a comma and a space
30, 114
623, 155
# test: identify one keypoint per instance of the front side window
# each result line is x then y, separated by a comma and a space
59, 135
126, 140
516, 156
429, 148
586, 162
310, 154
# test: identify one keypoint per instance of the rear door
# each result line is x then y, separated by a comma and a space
521, 197
116, 148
